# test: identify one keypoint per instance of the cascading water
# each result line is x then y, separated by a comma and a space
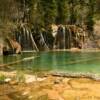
64, 38
43, 41
31, 39
68, 36
59, 38
25, 38
33, 42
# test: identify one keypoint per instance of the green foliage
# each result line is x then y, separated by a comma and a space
62, 12
90, 15
2, 79
48, 11
45, 12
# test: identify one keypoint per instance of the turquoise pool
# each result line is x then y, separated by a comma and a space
59, 61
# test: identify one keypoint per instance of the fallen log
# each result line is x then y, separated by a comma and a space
18, 61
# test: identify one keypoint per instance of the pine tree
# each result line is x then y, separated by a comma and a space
72, 5
48, 11
90, 16
62, 12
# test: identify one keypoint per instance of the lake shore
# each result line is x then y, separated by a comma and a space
49, 87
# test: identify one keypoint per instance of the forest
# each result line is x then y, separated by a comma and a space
38, 16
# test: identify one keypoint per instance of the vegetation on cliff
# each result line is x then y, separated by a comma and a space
37, 16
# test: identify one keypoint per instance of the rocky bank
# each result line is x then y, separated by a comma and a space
49, 87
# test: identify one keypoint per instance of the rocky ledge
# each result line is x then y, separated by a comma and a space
19, 86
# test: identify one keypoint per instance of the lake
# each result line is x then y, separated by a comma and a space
56, 61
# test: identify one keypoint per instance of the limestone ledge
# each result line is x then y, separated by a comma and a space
52, 86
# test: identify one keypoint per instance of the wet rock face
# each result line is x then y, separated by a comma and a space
89, 45
1, 48
13, 46
16, 46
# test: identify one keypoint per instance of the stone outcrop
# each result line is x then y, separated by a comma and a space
16, 46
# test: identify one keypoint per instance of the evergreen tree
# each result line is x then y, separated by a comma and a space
48, 11
62, 12
72, 5
90, 16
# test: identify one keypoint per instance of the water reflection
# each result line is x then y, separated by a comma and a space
57, 61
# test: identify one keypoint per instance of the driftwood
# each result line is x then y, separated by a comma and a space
18, 61
12, 63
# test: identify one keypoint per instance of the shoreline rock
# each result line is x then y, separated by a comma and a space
56, 86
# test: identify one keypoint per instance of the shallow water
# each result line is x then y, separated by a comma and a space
61, 61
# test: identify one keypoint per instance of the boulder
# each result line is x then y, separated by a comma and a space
16, 46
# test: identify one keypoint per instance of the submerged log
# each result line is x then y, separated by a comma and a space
9, 64
18, 61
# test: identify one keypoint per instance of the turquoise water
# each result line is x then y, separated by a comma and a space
62, 61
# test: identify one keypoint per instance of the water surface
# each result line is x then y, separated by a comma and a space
61, 61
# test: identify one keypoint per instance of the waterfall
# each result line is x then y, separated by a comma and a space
19, 39
54, 33
33, 42
44, 41
25, 38
64, 37
27, 33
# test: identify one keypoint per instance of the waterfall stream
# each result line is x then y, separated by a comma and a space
25, 38
44, 42
33, 42
63, 37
